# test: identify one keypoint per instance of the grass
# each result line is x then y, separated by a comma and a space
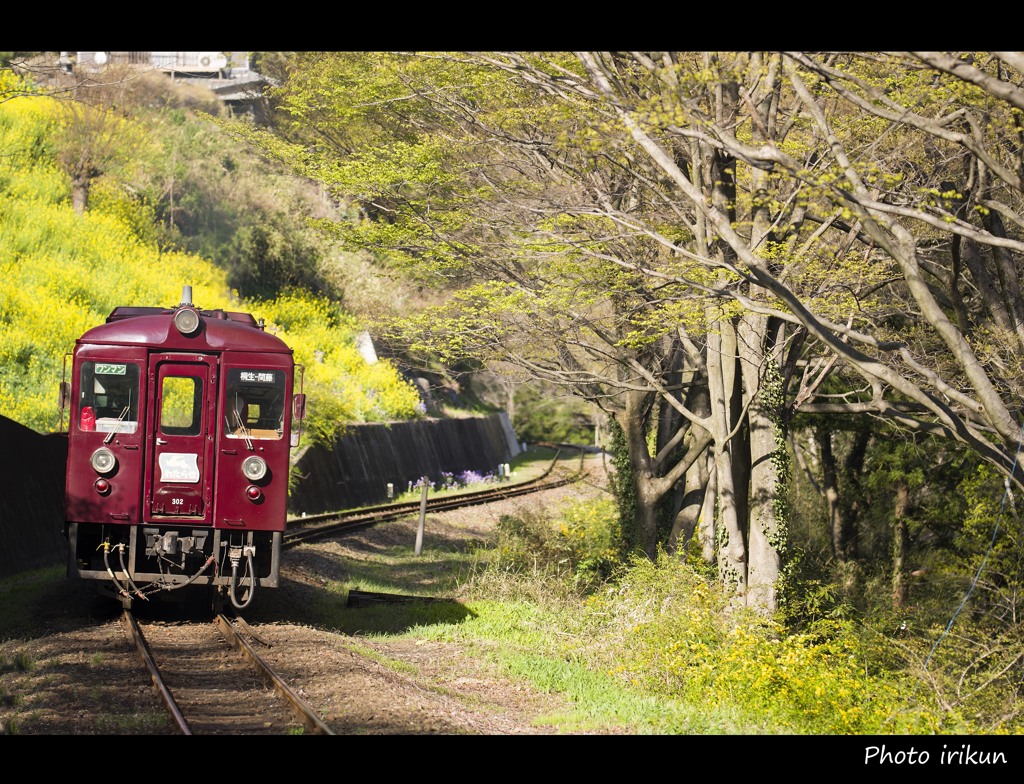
651, 649
655, 648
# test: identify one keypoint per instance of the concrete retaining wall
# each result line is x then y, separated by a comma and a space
357, 470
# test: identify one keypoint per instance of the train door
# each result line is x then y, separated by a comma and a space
180, 463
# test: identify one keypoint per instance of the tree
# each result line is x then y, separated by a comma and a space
567, 293
945, 374
686, 240
94, 136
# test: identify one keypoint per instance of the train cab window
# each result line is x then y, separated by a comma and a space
181, 407
254, 404
108, 398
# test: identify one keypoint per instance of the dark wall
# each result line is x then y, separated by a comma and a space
357, 470
32, 498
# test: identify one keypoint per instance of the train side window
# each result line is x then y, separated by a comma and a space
181, 407
254, 403
108, 400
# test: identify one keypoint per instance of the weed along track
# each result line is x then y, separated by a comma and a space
213, 681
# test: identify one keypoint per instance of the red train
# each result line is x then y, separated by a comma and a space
178, 452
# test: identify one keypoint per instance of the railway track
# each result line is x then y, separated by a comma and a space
213, 682
207, 687
210, 676
332, 523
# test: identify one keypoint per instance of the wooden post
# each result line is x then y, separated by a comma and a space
423, 518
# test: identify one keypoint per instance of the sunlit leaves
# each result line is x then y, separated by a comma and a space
62, 273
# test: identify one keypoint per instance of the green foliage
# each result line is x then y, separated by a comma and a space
92, 141
623, 486
957, 630
350, 389
211, 195
580, 541
53, 260
540, 417
967, 603
806, 599
136, 214
264, 259
666, 630
990, 539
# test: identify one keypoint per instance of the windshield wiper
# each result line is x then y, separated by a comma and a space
120, 419
245, 431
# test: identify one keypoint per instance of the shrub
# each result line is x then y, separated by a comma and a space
666, 629
579, 541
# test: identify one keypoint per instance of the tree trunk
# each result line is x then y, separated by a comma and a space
843, 510
707, 526
686, 520
633, 423
766, 527
732, 547
80, 195
693, 492
899, 546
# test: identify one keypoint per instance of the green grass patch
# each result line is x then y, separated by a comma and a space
387, 661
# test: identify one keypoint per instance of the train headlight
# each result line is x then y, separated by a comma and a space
254, 468
103, 460
186, 321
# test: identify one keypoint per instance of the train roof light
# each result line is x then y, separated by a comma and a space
187, 321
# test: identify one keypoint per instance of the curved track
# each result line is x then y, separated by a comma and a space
318, 525
213, 682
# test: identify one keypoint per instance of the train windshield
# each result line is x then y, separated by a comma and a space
254, 404
181, 407
108, 400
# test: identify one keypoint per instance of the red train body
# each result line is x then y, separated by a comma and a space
178, 452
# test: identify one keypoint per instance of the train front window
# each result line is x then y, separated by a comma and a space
108, 398
181, 406
254, 404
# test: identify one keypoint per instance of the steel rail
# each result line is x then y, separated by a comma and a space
349, 521
300, 707
180, 723
312, 527
397, 509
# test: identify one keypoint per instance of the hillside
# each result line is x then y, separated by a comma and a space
117, 252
